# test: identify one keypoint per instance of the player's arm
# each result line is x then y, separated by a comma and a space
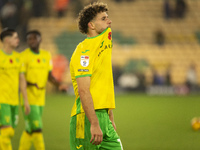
111, 116
53, 80
22, 86
88, 106
56, 83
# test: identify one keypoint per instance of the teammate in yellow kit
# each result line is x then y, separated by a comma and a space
38, 68
11, 78
92, 123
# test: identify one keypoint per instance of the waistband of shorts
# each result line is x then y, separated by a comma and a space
102, 110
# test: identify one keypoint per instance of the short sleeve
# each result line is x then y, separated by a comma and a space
50, 63
22, 64
83, 65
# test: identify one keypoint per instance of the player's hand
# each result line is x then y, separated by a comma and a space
27, 108
96, 134
39, 88
63, 87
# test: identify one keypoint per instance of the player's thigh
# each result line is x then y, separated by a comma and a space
5, 115
80, 133
111, 140
33, 119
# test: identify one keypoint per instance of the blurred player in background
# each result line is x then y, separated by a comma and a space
11, 78
38, 67
92, 123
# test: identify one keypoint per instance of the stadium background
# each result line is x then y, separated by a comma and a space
149, 116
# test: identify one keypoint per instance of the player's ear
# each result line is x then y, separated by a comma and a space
91, 25
6, 39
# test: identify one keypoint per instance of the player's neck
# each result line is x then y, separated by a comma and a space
92, 33
7, 49
35, 50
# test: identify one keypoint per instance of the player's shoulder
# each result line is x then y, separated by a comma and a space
15, 53
25, 51
44, 52
83, 48
1, 51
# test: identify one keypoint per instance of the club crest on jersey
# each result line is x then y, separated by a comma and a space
84, 61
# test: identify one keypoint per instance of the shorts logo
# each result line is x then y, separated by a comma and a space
36, 123
7, 118
84, 61
78, 147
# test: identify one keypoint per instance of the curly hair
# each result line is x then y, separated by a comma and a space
88, 13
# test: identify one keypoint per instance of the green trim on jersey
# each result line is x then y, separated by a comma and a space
98, 35
35, 52
78, 105
6, 53
86, 75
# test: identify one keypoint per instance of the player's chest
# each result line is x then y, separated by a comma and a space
9, 64
105, 48
37, 62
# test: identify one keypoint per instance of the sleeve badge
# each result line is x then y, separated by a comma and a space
84, 61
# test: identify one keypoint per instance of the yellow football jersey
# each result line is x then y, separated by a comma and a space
37, 68
92, 57
10, 68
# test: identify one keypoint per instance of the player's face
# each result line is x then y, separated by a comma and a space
101, 22
14, 40
33, 41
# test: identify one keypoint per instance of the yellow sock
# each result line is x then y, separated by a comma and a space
6, 135
25, 141
38, 140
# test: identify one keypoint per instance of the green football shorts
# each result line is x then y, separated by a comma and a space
80, 133
9, 115
33, 121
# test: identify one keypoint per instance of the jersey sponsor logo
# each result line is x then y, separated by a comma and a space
84, 61
85, 51
104, 48
101, 44
9, 68
78, 147
109, 35
38, 60
83, 70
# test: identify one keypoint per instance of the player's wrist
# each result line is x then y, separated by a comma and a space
94, 122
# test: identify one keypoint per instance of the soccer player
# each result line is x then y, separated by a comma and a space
38, 68
11, 78
92, 123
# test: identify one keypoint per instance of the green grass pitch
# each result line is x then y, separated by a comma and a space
143, 122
